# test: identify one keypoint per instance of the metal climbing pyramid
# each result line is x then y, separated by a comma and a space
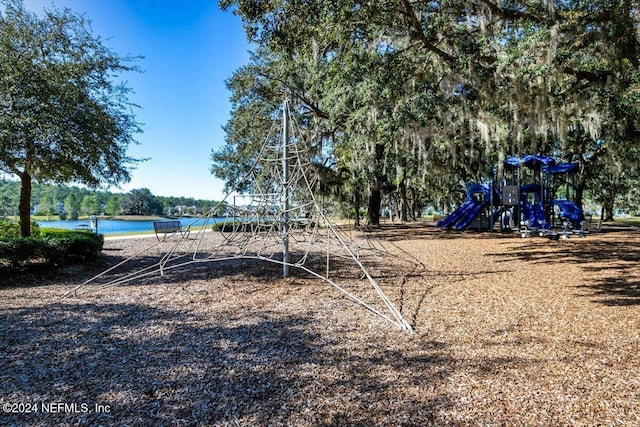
280, 221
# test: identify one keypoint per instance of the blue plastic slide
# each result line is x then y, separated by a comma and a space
463, 216
570, 211
454, 216
470, 215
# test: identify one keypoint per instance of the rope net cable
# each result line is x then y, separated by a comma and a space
255, 226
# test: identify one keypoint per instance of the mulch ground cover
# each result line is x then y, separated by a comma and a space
508, 332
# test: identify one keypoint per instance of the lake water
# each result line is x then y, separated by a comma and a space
122, 226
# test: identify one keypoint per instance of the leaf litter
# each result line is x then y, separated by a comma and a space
509, 331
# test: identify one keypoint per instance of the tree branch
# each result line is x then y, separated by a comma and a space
309, 104
416, 32
591, 77
312, 106
511, 13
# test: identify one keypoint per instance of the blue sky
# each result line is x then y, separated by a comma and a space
190, 48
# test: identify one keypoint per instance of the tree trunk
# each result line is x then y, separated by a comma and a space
404, 204
357, 202
607, 211
579, 185
25, 204
579, 188
375, 192
414, 204
401, 179
375, 200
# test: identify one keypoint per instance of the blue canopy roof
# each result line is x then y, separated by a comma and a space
560, 168
530, 161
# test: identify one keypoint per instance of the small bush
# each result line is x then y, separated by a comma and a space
86, 246
25, 248
54, 251
229, 226
5, 249
59, 233
9, 229
226, 226
55, 246
35, 229
12, 229
19, 249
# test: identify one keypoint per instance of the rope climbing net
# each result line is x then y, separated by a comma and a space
282, 222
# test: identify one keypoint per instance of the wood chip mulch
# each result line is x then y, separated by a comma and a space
509, 332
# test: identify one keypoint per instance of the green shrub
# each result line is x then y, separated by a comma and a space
25, 248
9, 229
20, 249
63, 247
54, 251
86, 246
229, 226
56, 247
12, 229
6, 249
59, 233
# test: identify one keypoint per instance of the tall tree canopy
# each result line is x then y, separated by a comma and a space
63, 116
418, 98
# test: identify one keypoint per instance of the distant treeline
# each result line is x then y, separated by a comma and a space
71, 202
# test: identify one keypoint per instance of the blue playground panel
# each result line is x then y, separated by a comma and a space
570, 211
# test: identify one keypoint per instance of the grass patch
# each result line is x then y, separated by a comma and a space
628, 220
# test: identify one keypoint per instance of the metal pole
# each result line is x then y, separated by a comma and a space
490, 226
285, 189
93, 221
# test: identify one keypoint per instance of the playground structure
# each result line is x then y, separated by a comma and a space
280, 221
526, 199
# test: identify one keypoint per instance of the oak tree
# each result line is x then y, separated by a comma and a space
64, 117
